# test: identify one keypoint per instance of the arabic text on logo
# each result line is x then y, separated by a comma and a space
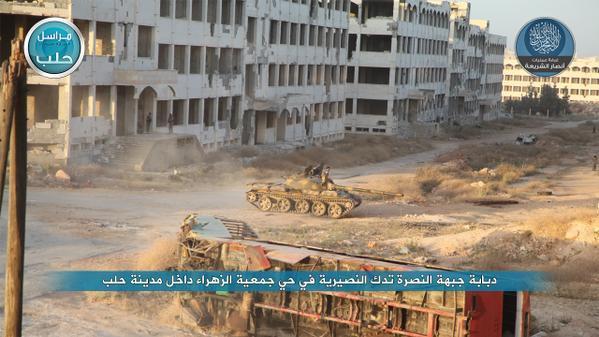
54, 47
545, 37
545, 47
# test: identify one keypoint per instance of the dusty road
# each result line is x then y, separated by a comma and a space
73, 228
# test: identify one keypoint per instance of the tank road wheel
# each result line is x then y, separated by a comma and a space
335, 211
319, 208
302, 206
284, 205
251, 197
264, 203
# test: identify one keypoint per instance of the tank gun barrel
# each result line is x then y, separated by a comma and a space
368, 191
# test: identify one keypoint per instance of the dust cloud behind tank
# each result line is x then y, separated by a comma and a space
309, 192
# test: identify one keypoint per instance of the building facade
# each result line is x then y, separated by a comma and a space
580, 80
475, 62
257, 72
146, 59
295, 70
420, 63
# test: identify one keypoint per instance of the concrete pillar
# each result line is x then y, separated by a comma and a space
64, 113
154, 115
204, 11
171, 56
219, 10
169, 110
135, 115
92, 38
64, 103
113, 97
186, 112
187, 55
232, 17
91, 101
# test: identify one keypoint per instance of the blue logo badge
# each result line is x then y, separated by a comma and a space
545, 47
54, 47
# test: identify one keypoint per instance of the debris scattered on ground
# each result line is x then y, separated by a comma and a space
545, 193
494, 202
62, 176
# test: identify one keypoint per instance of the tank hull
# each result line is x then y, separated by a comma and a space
333, 204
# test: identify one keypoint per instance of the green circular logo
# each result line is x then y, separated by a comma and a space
54, 47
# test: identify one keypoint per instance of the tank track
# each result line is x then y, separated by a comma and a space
331, 203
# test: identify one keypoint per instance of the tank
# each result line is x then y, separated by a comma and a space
310, 192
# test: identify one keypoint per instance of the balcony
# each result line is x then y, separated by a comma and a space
144, 77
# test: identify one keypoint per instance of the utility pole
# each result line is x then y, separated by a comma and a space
7, 108
14, 111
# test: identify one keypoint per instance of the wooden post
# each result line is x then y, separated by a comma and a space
15, 242
7, 110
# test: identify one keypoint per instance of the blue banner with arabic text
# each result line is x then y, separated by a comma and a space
236, 281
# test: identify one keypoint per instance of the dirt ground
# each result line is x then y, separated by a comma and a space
114, 221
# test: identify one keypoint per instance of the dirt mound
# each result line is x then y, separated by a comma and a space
578, 224
507, 249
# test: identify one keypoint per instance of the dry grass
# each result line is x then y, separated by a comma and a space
352, 151
477, 131
491, 155
556, 223
456, 181
253, 162
550, 149
162, 255
457, 174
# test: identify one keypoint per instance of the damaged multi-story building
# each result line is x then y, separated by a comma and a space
253, 72
229, 72
420, 63
475, 62
295, 69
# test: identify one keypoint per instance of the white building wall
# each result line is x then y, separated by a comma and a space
415, 56
275, 72
193, 65
580, 80
296, 74
475, 58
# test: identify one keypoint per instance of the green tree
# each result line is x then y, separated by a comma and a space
547, 99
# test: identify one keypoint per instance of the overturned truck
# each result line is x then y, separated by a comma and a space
209, 243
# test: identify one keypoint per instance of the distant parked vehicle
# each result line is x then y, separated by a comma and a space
526, 139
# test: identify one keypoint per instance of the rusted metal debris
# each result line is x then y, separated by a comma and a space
494, 202
545, 193
383, 314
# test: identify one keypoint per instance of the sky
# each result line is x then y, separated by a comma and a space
508, 16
